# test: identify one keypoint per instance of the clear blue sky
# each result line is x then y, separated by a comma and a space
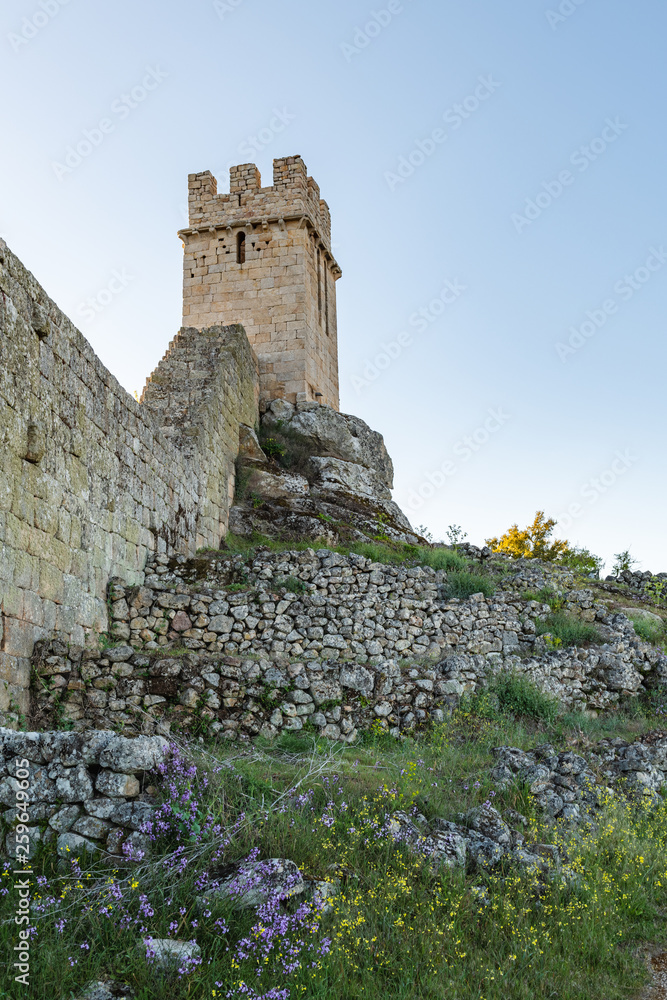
486, 417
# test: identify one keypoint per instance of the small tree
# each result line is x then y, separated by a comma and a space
624, 561
532, 542
456, 534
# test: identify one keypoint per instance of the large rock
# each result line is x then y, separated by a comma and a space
336, 476
339, 435
143, 753
341, 491
168, 952
277, 484
259, 882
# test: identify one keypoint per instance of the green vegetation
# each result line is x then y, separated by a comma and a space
398, 928
290, 583
570, 630
287, 447
519, 697
582, 561
464, 584
649, 630
656, 591
547, 595
624, 562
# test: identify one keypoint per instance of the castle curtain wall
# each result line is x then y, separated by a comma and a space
90, 481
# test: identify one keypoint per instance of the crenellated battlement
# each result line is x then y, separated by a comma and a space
261, 256
293, 195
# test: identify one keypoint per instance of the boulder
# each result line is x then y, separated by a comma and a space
131, 755
329, 432
106, 991
337, 476
167, 952
259, 882
250, 449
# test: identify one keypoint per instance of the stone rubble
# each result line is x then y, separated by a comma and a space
478, 842
569, 787
106, 991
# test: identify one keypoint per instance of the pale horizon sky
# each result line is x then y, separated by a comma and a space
496, 183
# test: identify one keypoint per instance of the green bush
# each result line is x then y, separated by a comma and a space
273, 448
570, 630
291, 583
582, 561
519, 696
464, 584
649, 630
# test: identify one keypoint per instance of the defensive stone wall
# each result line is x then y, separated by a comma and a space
91, 481
261, 256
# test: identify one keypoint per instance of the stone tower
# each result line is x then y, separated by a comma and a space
261, 256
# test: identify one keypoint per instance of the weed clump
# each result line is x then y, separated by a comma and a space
521, 697
463, 584
650, 630
570, 631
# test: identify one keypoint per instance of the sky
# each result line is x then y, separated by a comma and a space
495, 174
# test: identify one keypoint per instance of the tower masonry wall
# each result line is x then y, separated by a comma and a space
91, 480
280, 285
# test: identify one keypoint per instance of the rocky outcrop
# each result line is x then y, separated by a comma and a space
335, 434
573, 787
340, 490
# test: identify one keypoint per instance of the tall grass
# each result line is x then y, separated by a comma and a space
570, 630
649, 630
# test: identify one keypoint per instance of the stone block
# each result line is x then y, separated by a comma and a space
12, 601
51, 583
19, 637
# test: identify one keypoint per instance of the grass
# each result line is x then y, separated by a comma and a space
389, 553
569, 630
464, 584
291, 584
547, 595
398, 929
649, 630
520, 697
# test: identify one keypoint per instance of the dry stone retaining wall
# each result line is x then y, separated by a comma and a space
219, 642
84, 791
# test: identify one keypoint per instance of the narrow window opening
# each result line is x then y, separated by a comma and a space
326, 298
319, 285
240, 247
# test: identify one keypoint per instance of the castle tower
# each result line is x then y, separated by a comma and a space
262, 257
